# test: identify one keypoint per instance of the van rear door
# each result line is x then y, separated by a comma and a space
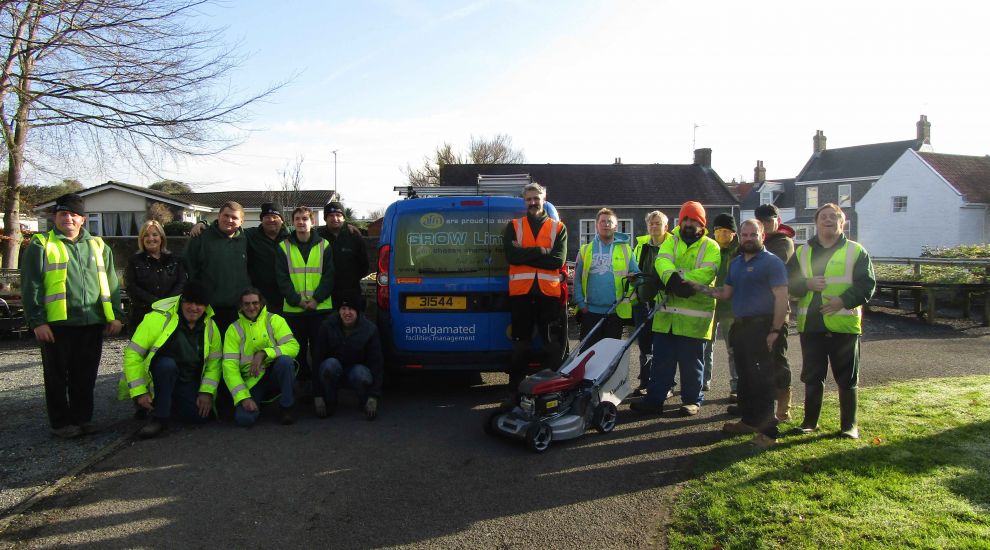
448, 273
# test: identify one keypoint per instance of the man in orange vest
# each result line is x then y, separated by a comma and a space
535, 248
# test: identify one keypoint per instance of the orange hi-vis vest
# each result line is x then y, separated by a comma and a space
521, 277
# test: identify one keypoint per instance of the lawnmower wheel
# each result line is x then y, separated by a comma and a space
538, 437
604, 417
490, 422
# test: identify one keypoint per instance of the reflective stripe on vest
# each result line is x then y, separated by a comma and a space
55, 266
305, 274
838, 279
620, 268
245, 359
521, 277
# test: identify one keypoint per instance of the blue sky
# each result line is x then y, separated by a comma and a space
385, 82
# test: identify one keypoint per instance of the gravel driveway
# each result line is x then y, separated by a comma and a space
424, 475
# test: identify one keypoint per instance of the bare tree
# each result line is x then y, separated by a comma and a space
290, 181
376, 213
497, 150
103, 81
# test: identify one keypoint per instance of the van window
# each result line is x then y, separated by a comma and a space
449, 244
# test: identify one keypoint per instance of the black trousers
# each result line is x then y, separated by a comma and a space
756, 370
305, 328
535, 314
611, 328
782, 367
70, 365
224, 316
820, 349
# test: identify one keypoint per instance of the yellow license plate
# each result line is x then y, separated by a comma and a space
454, 303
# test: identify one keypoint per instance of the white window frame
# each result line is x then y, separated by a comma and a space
799, 229
766, 197
588, 229
809, 191
897, 208
94, 223
845, 189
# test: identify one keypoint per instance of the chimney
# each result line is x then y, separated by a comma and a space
703, 157
819, 141
618, 160
924, 130
759, 173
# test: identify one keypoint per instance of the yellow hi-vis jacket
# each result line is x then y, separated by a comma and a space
154, 330
838, 279
692, 317
269, 333
56, 270
305, 275
621, 251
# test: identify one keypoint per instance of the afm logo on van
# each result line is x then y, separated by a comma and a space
433, 220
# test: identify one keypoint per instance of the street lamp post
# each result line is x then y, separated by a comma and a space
335, 174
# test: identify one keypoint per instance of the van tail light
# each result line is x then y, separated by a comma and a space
383, 294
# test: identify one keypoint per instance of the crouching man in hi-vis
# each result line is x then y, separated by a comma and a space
172, 363
256, 343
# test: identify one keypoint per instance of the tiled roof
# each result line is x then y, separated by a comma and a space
608, 184
784, 200
120, 185
855, 162
254, 199
969, 175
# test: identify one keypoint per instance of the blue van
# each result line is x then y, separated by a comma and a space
442, 289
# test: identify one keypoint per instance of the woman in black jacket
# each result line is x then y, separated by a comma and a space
152, 274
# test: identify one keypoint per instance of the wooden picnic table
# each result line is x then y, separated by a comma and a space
930, 291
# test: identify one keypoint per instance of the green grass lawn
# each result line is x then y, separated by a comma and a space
919, 477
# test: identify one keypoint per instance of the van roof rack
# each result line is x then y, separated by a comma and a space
502, 185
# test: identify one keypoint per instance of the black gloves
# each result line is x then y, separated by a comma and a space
677, 286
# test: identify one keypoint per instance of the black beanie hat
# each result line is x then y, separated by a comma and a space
351, 299
725, 221
332, 207
766, 211
195, 292
271, 208
70, 202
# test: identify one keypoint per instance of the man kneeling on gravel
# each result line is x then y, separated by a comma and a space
348, 352
172, 364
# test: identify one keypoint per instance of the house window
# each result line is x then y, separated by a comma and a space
899, 204
766, 197
811, 197
801, 233
845, 195
588, 229
93, 225
121, 224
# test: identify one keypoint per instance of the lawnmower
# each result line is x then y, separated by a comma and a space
556, 405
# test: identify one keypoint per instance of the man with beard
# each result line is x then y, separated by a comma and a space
779, 240
682, 327
757, 286
535, 247
350, 254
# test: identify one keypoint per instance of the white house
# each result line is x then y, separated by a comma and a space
926, 199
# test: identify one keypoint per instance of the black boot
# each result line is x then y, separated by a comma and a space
847, 413
813, 394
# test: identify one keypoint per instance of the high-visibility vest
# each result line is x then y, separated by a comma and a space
156, 328
55, 266
521, 277
693, 316
620, 268
305, 274
838, 278
269, 333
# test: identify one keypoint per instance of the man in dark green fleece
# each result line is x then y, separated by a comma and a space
218, 257
350, 254
71, 300
263, 252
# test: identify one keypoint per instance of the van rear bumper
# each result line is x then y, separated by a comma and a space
453, 361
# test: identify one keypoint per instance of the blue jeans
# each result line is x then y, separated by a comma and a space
276, 383
173, 398
669, 351
721, 328
334, 375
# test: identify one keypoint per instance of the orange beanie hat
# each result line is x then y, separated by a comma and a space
693, 210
